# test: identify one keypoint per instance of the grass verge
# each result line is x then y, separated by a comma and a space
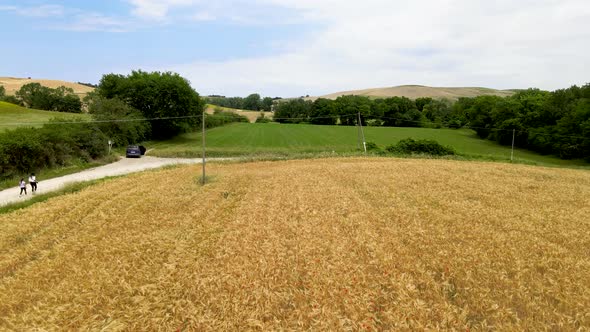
46, 174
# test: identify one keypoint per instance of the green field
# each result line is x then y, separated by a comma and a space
253, 139
12, 116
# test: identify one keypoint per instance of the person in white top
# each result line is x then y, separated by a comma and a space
23, 187
33, 183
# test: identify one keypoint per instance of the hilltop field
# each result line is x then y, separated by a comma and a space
13, 84
331, 244
418, 91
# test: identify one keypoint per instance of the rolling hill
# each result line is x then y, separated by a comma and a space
12, 116
13, 84
417, 91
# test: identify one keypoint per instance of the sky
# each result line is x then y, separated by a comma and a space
290, 48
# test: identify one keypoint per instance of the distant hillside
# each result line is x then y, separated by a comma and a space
417, 91
13, 84
12, 116
251, 115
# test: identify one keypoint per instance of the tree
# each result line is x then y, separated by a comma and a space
61, 99
157, 95
2, 92
293, 111
323, 112
347, 107
437, 111
125, 130
267, 104
422, 101
253, 102
35, 95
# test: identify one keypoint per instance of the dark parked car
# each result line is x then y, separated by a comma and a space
133, 151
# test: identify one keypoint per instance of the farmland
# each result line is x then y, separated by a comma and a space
13, 84
251, 115
420, 91
332, 244
283, 139
12, 116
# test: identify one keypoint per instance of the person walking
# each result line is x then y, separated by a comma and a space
33, 183
23, 187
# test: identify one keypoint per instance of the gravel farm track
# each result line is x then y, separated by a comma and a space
123, 166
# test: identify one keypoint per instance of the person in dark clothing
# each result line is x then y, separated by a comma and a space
33, 183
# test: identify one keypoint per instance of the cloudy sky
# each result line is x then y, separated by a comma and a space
298, 47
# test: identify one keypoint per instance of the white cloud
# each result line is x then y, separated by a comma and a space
96, 22
36, 11
502, 44
157, 9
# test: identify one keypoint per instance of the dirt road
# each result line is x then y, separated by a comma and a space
123, 166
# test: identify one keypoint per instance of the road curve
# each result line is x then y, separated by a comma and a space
121, 167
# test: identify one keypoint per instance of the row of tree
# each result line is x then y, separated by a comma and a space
253, 102
35, 95
555, 122
394, 111
547, 122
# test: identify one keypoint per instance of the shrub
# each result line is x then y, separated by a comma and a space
24, 150
371, 146
262, 119
425, 146
221, 118
13, 100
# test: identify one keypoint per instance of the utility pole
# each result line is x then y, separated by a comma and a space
362, 133
203, 122
512, 152
358, 136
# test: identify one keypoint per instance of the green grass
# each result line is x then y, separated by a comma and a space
12, 116
271, 139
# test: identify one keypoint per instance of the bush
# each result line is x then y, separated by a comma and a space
371, 146
24, 150
12, 100
425, 146
221, 118
262, 119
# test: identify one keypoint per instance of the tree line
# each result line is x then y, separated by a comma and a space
35, 95
555, 122
253, 102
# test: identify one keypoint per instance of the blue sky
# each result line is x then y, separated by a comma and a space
298, 47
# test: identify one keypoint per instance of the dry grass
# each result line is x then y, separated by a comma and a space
12, 84
417, 91
339, 244
251, 115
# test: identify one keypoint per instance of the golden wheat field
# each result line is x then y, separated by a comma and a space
333, 244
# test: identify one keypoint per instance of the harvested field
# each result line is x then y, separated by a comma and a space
419, 91
13, 84
251, 115
333, 244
